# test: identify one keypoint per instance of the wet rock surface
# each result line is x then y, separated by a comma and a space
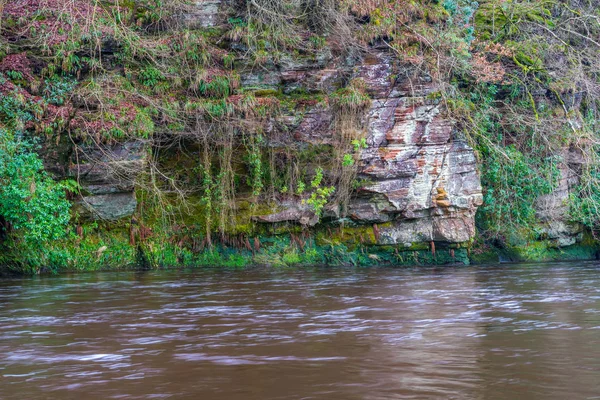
111, 207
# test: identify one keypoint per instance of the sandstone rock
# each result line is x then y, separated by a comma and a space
314, 74
108, 174
202, 13
315, 126
423, 180
108, 169
111, 207
261, 78
428, 176
451, 229
371, 209
552, 209
292, 212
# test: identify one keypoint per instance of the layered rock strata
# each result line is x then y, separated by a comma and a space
423, 182
107, 176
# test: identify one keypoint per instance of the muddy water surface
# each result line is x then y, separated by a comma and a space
511, 332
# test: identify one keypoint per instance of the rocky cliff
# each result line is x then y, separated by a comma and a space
210, 125
418, 178
422, 178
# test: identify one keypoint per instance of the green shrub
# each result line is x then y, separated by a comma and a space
32, 203
57, 90
150, 76
291, 257
320, 195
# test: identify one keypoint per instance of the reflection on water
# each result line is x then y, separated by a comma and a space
521, 332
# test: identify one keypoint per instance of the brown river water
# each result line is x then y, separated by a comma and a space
500, 332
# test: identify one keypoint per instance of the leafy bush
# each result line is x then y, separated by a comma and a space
291, 257
320, 195
513, 181
33, 205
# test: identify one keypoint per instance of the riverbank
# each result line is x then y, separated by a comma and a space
292, 251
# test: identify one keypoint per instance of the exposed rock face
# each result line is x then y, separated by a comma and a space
203, 14
111, 206
423, 182
293, 211
314, 74
552, 209
108, 175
